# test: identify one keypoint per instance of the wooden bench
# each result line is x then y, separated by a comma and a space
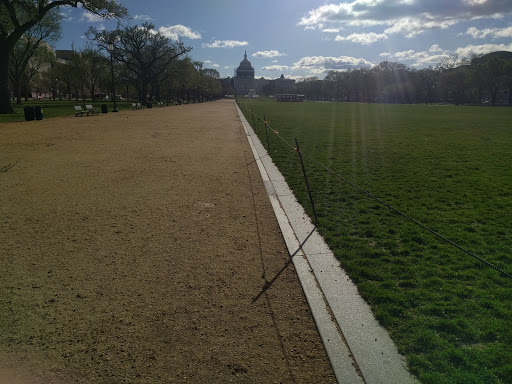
91, 110
79, 111
134, 106
139, 106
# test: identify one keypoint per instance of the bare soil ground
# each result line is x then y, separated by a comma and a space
137, 247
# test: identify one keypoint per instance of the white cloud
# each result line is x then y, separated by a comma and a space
322, 64
142, 17
363, 38
91, 17
477, 33
406, 17
174, 32
278, 68
435, 48
298, 78
268, 54
408, 55
477, 50
332, 30
432, 60
434, 56
152, 31
327, 13
275, 61
66, 15
495, 33
211, 64
410, 27
474, 2
225, 44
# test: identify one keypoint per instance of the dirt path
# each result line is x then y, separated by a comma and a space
135, 247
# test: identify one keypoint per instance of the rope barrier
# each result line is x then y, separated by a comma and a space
369, 194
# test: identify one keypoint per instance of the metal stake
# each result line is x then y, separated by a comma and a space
307, 183
266, 131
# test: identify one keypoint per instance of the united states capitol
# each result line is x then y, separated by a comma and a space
244, 82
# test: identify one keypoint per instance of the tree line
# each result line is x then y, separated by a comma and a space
142, 63
147, 65
484, 79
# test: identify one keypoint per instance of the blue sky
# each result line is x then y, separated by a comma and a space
302, 38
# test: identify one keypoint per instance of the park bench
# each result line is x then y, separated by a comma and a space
160, 104
139, 106
79, 111
91, 110
134, 106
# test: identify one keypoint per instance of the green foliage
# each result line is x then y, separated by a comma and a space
447, 167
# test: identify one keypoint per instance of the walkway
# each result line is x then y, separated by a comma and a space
139, 247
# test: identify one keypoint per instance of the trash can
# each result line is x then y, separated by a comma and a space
38, 112
150, 105
104, 108
29, 113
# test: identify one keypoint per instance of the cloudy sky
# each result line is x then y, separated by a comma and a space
300, 38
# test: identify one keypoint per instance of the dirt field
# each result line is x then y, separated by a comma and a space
135, 248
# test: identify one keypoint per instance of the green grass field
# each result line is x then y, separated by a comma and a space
447, 167
57, 108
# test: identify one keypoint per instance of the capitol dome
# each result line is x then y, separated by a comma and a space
245, 70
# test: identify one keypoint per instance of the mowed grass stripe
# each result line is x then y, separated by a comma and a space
447, 167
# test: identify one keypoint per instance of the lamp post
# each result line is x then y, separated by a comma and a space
110, 49
55, 90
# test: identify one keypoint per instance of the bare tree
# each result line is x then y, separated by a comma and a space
18, 16
142, 49
43, 59
94, 66
33, 42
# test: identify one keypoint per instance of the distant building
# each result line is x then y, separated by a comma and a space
272, 87
283, 85
64, 56
243, 82
263, 85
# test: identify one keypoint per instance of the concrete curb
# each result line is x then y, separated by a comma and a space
359, 349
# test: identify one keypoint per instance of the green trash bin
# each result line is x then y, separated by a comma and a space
104, 108
29, 113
